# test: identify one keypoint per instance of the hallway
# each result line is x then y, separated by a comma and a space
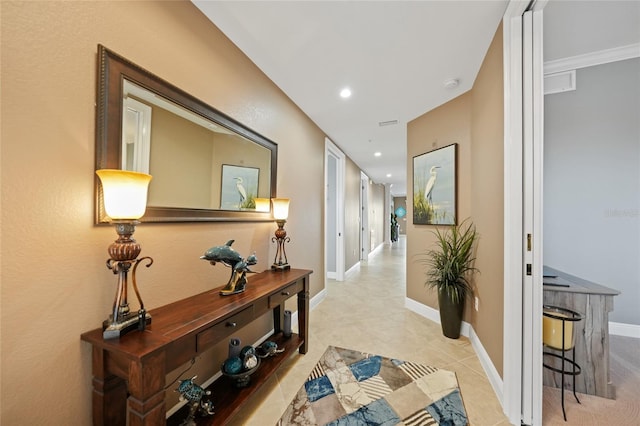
366, 312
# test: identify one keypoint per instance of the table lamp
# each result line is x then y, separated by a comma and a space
280, 214
125, 201
262, 204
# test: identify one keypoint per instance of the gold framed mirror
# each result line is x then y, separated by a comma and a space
205, 165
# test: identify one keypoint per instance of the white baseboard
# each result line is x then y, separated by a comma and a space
467, 331
423, 310
432, 314
313, 303
622, 329
355, 268
487, 365
375, 250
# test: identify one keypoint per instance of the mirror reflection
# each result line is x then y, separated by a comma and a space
205, 165
195, 163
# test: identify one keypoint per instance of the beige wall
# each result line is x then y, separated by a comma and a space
474, 121
54, 281
447, 124
351, 214
487, 199
376, 215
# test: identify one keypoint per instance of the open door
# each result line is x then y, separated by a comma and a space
364, 217
334, 172
522, 347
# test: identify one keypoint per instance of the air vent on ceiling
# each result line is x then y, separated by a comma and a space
388, 123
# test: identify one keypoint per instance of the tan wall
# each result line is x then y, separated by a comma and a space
447, 124
351, 214
474, 121
376, 215
487, 199
54, 281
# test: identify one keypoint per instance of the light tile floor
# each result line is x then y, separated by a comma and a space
366, 312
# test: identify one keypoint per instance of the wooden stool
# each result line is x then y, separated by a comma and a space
558, 333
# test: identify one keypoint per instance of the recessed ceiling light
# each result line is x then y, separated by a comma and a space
377, 154
388, 174
345, 93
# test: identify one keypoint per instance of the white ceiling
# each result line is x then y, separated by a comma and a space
395, 57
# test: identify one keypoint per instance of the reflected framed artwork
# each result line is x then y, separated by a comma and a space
239, 187
434, 187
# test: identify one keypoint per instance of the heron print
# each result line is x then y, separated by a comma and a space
239, 187
434, 187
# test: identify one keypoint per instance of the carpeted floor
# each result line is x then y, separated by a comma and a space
347, 387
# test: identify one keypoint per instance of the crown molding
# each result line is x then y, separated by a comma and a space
594, 58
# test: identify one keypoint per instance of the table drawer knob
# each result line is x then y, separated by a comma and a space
231, 324
285, 293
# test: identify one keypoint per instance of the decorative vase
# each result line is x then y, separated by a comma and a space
450, 315
286, 329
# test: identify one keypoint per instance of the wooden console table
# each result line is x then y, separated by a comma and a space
129, 372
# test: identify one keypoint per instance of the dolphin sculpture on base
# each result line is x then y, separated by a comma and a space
226, 255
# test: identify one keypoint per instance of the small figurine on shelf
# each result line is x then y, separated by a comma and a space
239, 266
194, 394
268, 349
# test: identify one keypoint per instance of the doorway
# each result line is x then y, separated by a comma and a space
364, 217
335, 164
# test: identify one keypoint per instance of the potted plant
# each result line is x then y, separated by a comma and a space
450, 268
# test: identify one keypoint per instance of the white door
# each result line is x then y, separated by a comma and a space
522, 347
136, 135
533, 129
335, 164
364, 217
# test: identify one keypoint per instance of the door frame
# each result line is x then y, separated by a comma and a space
364, 217
330, 149
523, 130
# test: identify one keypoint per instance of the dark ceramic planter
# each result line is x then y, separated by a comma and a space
450, 315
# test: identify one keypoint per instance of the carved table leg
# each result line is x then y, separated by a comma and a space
303, 316
146, 387
109, 394
278, 315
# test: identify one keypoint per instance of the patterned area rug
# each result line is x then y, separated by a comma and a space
347, 387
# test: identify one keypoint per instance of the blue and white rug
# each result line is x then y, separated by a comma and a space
352, 388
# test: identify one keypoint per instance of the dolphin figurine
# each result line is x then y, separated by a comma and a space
223, 254
231, 258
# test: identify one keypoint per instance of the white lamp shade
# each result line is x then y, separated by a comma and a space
262, 204
280, 208
125, 193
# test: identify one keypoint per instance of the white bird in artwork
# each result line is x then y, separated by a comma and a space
428, 189
241, 190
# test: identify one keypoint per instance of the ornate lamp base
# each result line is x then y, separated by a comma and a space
280, 267
280, 262
126, 324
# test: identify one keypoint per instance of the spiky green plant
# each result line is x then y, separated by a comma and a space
450, 265
249, 203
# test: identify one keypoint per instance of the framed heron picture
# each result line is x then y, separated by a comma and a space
434, 187
239, 187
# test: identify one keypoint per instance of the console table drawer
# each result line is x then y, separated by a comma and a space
225, 328
284, 294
